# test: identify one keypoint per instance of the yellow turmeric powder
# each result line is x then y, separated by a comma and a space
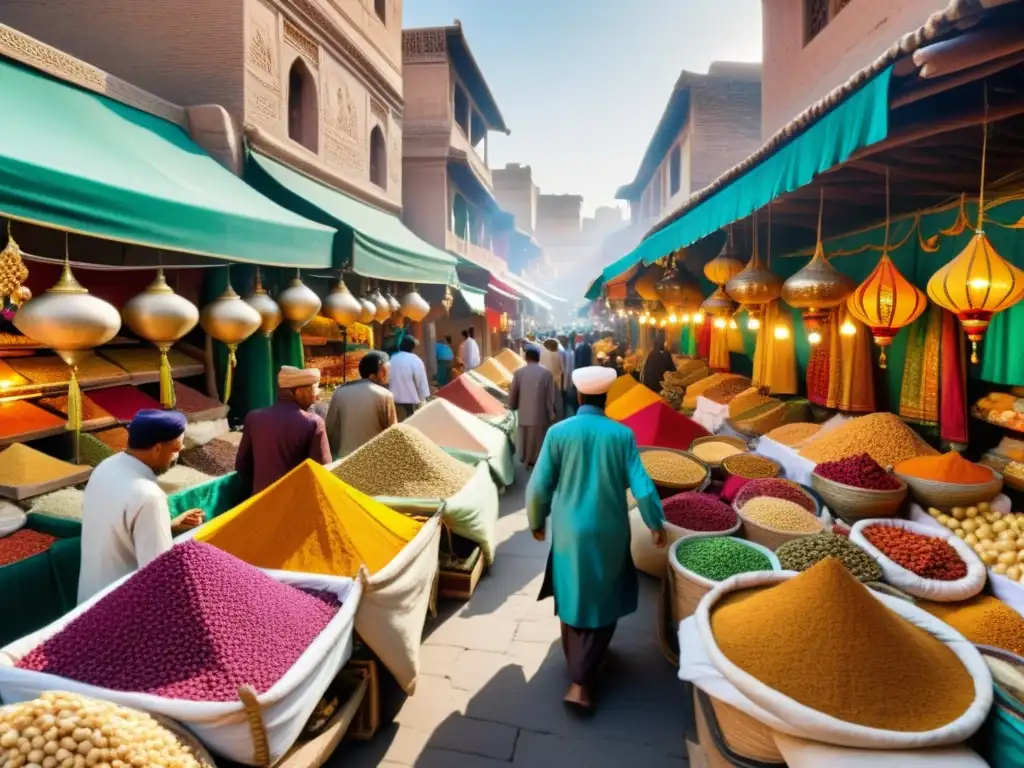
621, 386
950, 467
634, 400
310, 521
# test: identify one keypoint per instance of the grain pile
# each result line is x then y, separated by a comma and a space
984, 620
750, 466
401, 462
214, 458
747, 399
510, 360
65, 503
53, 370
700, 387
778, 489
719, 557
794, 434
23, 544
724, 392
494, 372
146, 359
780, 515
714, 451
180, 478
672, 469
883, 436
20, 417
21, 465
194, 624
906, 680
124, 402
801, 554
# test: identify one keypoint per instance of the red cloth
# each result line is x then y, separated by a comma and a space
704, 339
123, 402
732, 487
659, 426
470, 396
953, 405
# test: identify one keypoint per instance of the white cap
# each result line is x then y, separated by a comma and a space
593, 379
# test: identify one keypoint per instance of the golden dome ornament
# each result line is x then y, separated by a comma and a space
755, 285
726, 265
718, 304
264, 304
382, 309
13, 272
414, 306
298, 303
341, 306
230, 321
162, 317
396, 308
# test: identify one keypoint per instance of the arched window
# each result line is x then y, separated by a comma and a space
380, 7
303, 120
378, 158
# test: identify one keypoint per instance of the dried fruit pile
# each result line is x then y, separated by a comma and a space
194, 624
698, 512
23, 544
860, 471
928, 556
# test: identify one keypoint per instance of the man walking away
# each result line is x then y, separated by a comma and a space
585, 467
408, 379
583, 354
532, 394
361, 410
445, 356
568, 364
551, 359
658, 363
469, 352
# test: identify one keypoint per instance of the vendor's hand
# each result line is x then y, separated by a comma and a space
190, 519
659, 538
538, 535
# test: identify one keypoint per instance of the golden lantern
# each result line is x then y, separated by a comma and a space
298, 303
396, 308
230, 321
341, 306
71, 321
269, 311
414, 306
678, 292
726, 265
382, 309
646, 285
13, 272
886, 302
162, 317
718, 304
755, 285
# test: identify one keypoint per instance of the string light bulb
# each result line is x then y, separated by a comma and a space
781, 332
732, 324
685, 320
753, 323
814, 337
698, 318
720, 322
848, 329
673, 319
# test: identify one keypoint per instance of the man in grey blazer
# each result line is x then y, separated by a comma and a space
532, 394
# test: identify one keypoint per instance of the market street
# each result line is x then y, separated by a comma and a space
493, 675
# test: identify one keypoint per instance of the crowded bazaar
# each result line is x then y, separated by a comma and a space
256, 433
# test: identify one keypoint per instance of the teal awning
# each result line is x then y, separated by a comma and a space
474, 298
77, 161
859, 121
379, 244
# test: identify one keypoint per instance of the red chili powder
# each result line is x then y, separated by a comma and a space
659, 426
23, 544
471, 397
194, 624
123, 402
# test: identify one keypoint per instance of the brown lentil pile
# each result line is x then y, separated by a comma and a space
668, 468
801, 554
750, 466
724, 392
215, 458
116, 439
714, 451
780, 515
794, 434
883, 436
402, 462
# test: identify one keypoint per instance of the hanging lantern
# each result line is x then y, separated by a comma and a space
270, 312
298, 303
341, 306
69, 320
382, 309
162, 317
817, 286
718, 304
414, 306
646, 285
230, 321
396, 307
726, 265
677, 290
755, 285
886, 302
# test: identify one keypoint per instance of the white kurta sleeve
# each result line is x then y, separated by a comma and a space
151, 532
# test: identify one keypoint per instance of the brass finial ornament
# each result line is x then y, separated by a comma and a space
262, 302
414, 306
230, 321
298, 303
382, 309
13, 272
341, 306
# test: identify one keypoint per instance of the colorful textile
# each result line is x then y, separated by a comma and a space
953, 411
919, 396
718, 350
775, 358
851, 383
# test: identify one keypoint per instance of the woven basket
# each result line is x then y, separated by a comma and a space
730, 473
936, 493
742, 498
858, 503
735, 441
769, 537
730, 737
187, 740
666, 489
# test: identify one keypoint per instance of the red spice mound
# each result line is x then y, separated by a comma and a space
19, 417
194, 624
471, 397
123, 402
659, 426
22, 544
860, 471
90, 410
777, 489
698, 512
927, 556
188, 400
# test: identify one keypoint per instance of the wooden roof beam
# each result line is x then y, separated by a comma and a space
968, 50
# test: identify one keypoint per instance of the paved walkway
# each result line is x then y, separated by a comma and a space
493, 676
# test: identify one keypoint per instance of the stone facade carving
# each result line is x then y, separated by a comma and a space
379, 111
343, 122
424, 45
302, 42
261, 55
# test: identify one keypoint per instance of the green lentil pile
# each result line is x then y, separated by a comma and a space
801, 554
719, 557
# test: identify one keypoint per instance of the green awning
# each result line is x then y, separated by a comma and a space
81, 162
474, 298
859, 121
379, 244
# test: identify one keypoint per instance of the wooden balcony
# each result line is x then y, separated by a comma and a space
477, 254
461, 145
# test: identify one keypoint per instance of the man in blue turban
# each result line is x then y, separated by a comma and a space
126, 522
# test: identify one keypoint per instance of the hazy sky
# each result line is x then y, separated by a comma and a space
582, 83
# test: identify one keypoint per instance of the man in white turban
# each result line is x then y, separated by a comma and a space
277, 439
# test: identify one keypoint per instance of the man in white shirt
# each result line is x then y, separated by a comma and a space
408, 379
126, 523
469, 350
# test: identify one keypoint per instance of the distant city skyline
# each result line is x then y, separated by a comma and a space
574, 78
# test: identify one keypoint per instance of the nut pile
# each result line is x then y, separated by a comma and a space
928, 556
23, 544
231, 625
794, 434
698, 512
750, 466
714, 451
997, 538
777, 489
883, 436
780, 515
801, 554
860, 471
669, 468
402, 462
718, 557
69, 730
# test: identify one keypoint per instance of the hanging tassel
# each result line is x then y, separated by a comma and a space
883, 361
166, 381
74, 402
229, 374
974, 353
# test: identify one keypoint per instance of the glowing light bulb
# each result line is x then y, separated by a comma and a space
719, 322
753, 324
698, 318
663, 323
673, 319
685, 320
978, 283
848, 329
814, 337
781, 332
732, 324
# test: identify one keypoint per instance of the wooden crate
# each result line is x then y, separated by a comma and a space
460, 585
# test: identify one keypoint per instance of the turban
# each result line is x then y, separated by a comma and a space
593, 379
150, 427
291, 377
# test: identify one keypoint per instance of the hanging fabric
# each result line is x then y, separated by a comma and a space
851, 369
919, 396
775, 354
953, 412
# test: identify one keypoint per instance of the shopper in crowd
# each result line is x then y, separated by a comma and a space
658, 363
469, 350
551, 358
532, 395
277, 439
568, 363
126, 521
408, 379
583, 353
361, 410
445, 356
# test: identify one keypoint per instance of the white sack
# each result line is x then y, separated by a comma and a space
709, 414
199, 433
12, 518
647, 557
221, 726
794, 466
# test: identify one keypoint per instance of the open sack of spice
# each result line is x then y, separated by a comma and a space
921, 560
821, 657
180, 636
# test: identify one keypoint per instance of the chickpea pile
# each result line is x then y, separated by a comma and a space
65, 730
997, 537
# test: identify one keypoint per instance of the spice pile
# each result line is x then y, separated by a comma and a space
509, 360
66, 729
776, 489
92, 413
146, 359
698, 512
700, 387
22, 466
780, 515
23, 544
124, 402
794, 434
495, 372
53, 370
194, 624
451, 427
801, 554
860, 471
719, 557
311, 522
116, 439
215, 458
621, 386
948, 468
669, 468
883, 436
471, 397
91, 450
906, 679
659, 426
65, 503
191, 402
997, 538
750, 466
746, 400
723, 392
401, 462
714, 451
984, 620
632, 401
20, 417
927, 556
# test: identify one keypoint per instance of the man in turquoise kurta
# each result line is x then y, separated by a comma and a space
585, 467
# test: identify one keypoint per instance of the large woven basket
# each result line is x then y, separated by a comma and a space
730, 737
666, 488
743, 496
936, 493
769, 537
204, 758
735, 441
855, 504
732, 460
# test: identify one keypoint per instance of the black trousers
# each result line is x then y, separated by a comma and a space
585, 650
404, 410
